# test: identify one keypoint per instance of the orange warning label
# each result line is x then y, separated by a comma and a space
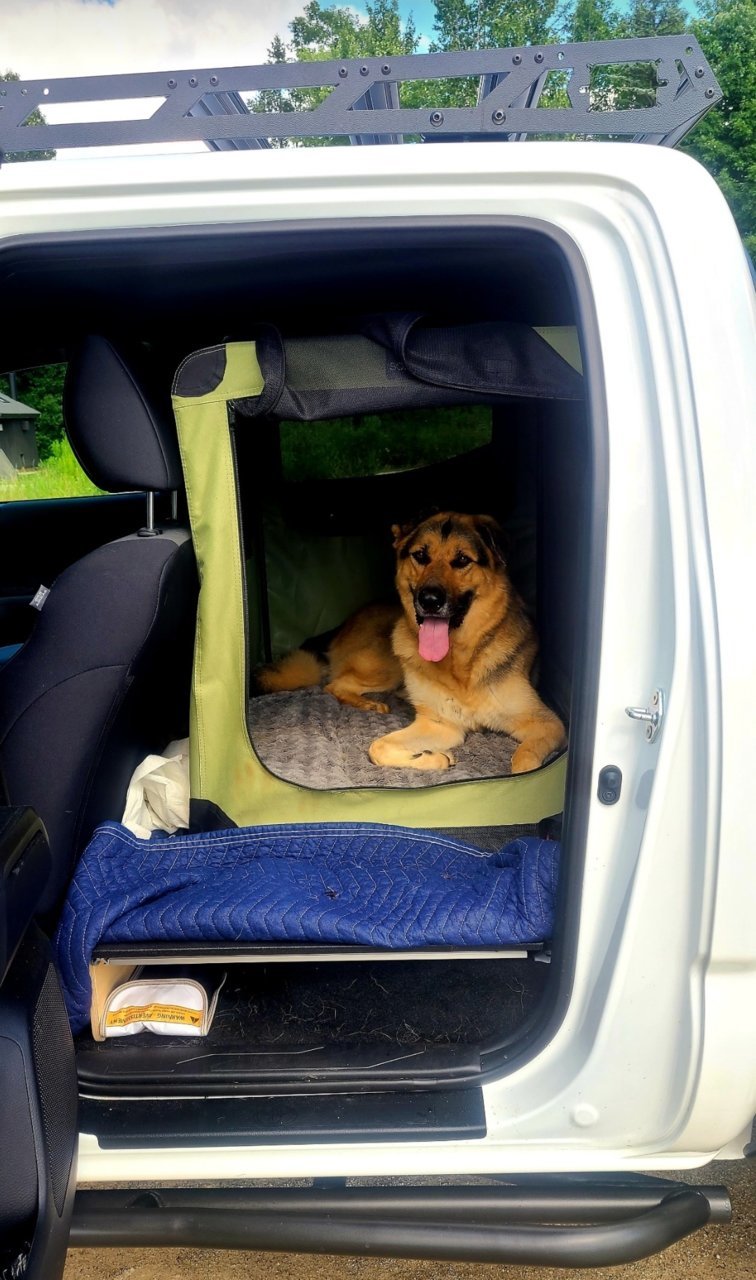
153, 1013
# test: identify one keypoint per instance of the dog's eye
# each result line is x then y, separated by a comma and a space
460, 561
421, 556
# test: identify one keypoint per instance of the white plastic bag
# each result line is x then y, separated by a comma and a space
158, 794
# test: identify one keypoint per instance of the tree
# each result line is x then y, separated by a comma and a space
725, 139
35, 117
490, 24
593, 20
42, 389
636, 84
655, 18
622, 86
328, 31
323, 32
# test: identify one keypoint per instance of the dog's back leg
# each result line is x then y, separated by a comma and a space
362, 661
363, 673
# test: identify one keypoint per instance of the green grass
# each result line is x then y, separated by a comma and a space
373, 444
59, 476
364, 445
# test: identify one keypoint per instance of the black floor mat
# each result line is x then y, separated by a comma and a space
287, 1007
433, 1002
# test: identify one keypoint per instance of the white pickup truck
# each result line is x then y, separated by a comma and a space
516, 1092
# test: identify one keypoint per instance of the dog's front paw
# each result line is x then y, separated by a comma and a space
431, 760
396, 755
380, 751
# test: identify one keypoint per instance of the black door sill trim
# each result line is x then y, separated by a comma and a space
440, 1116
171, 1073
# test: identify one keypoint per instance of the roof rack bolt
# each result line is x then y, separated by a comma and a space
709, 93
539, 57
385, 68
193, 81
498, 116
171, 83
517, 59
437, 118
213, 79
343, 72
699, 72
364, 71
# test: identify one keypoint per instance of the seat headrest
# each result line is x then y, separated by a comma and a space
118, 415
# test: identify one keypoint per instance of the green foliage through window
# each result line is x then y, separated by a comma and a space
373, 444
58, 474
41, 389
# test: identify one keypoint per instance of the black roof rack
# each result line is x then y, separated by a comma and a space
363, 100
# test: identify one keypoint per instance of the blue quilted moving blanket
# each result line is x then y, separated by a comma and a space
352, 883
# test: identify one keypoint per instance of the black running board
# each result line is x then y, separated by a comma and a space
566, 1221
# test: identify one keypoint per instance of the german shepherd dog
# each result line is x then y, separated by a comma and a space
459, 643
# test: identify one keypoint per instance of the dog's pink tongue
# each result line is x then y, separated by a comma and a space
434, 639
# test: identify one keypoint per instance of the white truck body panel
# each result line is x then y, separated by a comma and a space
653, 1064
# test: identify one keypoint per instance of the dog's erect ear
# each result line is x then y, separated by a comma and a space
406, 528
399, 533
493, 535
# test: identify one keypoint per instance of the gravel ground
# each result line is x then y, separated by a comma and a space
713, 1252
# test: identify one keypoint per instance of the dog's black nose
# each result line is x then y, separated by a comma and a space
431, 599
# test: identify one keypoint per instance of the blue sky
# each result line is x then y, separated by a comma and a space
423, 11
423, 14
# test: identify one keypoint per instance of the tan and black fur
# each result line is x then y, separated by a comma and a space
449, 569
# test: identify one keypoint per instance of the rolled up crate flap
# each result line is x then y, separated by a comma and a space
213, 390
399, 362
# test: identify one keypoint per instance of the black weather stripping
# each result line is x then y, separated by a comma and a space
536, 90
567, 1221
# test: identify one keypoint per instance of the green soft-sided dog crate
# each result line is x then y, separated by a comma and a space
231, 391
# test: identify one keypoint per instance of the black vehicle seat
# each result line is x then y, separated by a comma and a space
104, 678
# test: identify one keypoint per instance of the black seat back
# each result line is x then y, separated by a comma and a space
104, 678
